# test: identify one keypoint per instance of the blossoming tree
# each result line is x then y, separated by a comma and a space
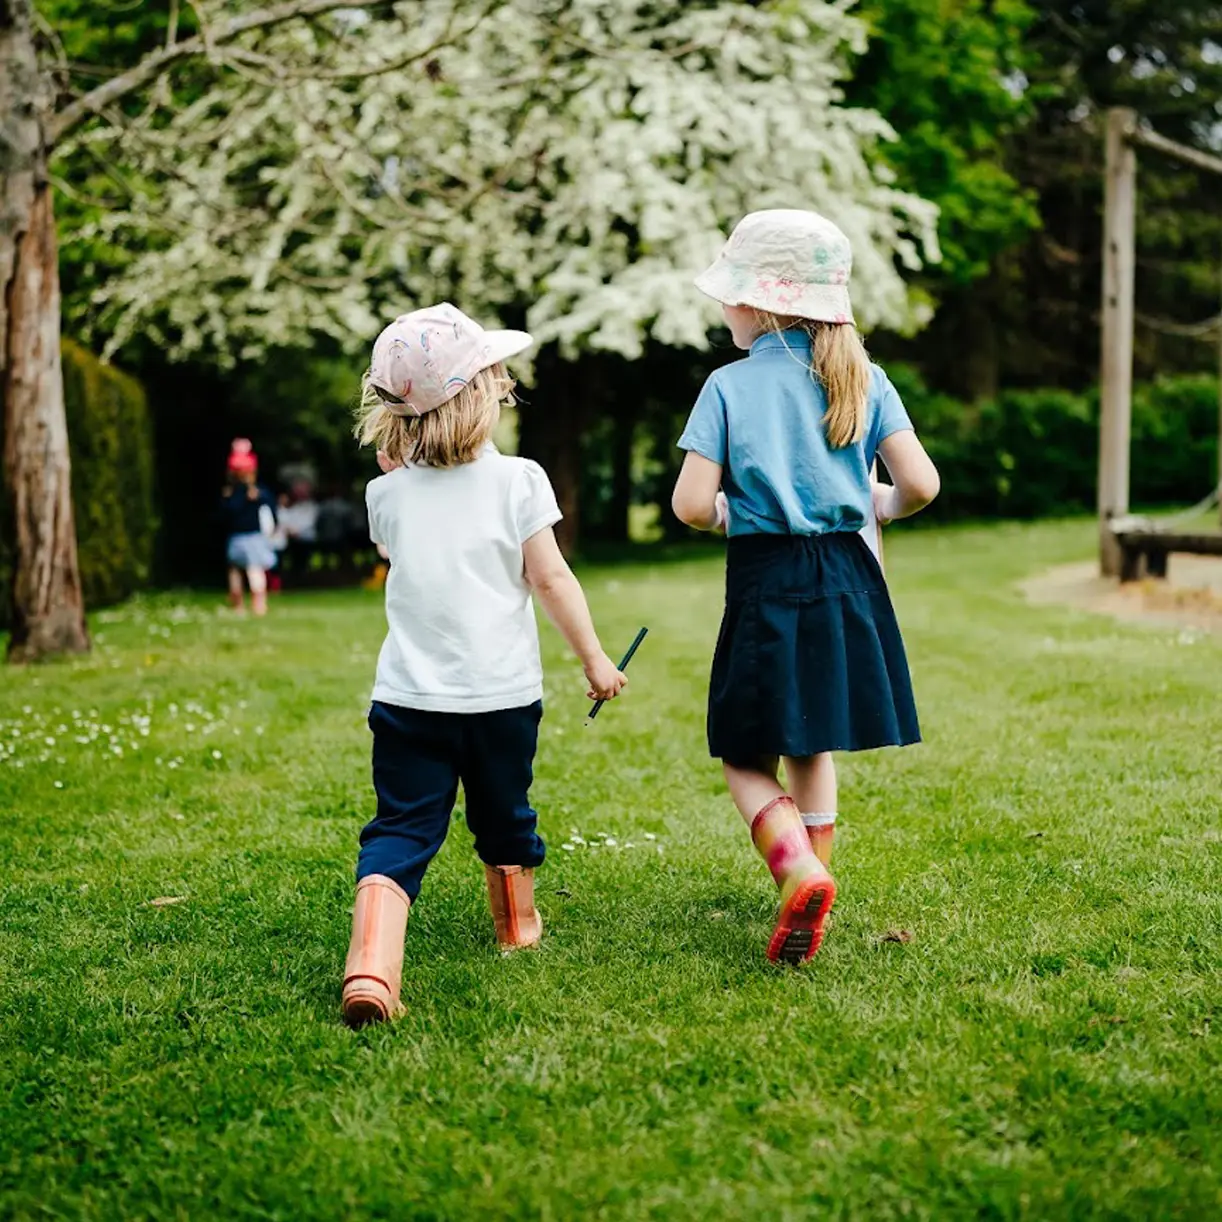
571, 163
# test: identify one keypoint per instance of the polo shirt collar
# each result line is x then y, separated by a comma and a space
794, 339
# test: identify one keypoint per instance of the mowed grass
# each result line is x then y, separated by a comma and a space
1045, 1045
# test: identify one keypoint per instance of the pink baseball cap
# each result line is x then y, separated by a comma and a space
423, 359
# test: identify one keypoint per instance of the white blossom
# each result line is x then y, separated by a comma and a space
576, 160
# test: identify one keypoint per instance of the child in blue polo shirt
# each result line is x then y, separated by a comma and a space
780, 448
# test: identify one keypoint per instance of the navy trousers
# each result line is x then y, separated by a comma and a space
419, 759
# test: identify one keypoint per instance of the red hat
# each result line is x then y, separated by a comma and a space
242, 459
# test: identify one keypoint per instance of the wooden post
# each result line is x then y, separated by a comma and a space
1116, 358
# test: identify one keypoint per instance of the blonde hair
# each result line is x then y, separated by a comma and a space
839, 363
448, 436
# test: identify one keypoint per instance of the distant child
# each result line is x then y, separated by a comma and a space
459, 687
780, 447
249, 515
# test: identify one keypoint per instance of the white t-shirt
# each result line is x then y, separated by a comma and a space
462, 637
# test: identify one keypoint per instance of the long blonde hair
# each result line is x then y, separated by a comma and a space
449, 436
839, 363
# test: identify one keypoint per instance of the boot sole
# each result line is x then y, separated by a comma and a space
507, 947
800, 923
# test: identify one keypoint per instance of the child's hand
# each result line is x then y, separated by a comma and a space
605, 679
723, 512
385, 463
883, 496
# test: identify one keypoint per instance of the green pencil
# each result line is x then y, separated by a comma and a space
640, 636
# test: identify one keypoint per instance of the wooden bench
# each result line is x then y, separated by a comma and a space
1144, 551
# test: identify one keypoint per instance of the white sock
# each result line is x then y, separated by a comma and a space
821, 820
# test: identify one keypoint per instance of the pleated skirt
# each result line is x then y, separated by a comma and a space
810, 657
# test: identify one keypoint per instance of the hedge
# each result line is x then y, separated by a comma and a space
1034, 453
111, 438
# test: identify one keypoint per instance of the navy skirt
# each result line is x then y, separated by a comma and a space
810, 657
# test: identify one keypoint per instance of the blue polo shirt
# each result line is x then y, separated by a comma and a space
761, 418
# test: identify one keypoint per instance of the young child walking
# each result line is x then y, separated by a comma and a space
459, 687
780, 447
249, 516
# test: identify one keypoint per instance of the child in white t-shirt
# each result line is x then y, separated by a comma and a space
459, 688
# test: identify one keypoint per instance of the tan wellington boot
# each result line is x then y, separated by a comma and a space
374, 968
511, 894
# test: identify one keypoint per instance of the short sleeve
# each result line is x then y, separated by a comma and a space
706, 432
888, 413
376, 535
535, 506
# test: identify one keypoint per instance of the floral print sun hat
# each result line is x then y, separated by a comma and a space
785, 261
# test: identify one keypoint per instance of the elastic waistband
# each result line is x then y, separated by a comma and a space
770, 545
800, 565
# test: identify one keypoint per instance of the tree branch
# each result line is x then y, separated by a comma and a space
156, 62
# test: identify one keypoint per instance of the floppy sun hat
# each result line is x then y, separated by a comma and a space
423, 359
785, 261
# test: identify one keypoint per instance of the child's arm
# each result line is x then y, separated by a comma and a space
915, 478
560, 592
696, 491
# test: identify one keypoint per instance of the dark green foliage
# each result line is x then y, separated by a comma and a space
939, 73
112, 476
111, 439
1034, 453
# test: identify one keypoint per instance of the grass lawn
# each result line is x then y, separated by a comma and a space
1045, 1045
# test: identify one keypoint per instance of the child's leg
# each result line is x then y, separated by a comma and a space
236, 599
415, 776
497, 769
257, 578
812, 781
753, 785
807, 890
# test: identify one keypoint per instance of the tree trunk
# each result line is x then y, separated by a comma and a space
552, 419
619, 524
47, 609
